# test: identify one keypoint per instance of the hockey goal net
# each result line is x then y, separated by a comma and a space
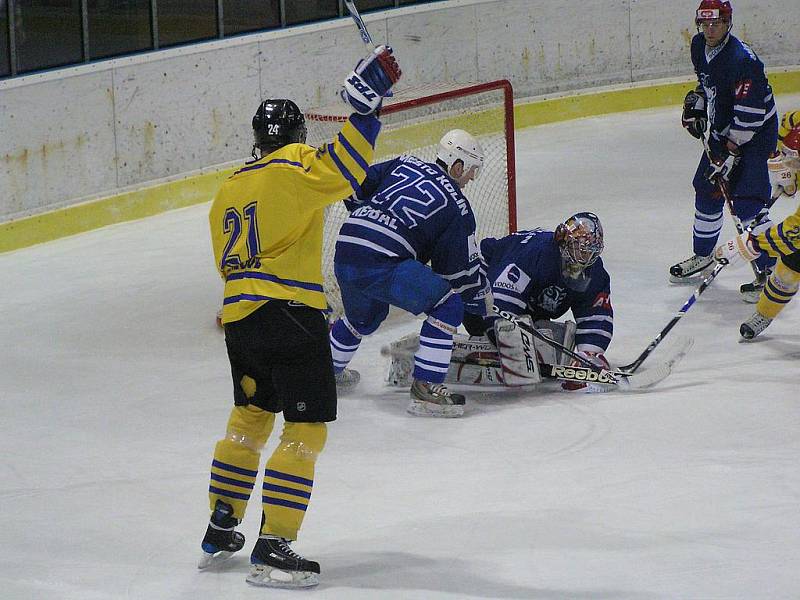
414, 120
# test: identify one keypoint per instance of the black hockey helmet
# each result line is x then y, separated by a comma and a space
277, 123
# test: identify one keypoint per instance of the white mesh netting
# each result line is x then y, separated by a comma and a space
413, 122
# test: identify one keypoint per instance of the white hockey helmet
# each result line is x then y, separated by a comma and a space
456, 145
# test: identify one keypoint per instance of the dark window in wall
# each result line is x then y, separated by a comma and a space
5, 59
241, 16
182, 21
302, 11
47, 33
366, 5
118, 27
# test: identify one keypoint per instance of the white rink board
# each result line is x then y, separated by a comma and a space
115, 386
87, 131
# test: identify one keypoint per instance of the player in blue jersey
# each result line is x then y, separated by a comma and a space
413, 212
541, 275
734, 101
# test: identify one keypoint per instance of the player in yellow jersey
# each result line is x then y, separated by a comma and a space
266, 226
781, 177
781, 241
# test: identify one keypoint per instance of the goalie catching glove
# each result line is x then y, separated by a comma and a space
366, 86
694, 118
743, 246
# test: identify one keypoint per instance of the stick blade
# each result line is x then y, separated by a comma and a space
649, 377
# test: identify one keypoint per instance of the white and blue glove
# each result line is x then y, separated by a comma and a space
481, 303
373, 78
722, 164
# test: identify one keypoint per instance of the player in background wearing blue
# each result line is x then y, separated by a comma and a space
266, 225
734, 100
540, 275
412, 212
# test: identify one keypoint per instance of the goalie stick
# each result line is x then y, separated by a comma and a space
482, 353
623, 380
631, 368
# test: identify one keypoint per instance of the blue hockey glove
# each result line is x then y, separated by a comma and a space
722, 165
481, 303
372, 79
694, 118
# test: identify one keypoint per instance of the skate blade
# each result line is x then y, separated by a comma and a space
750, 297
689, 279
208, 561
266, 576
421, 408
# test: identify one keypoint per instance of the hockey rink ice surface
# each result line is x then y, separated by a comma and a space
115, 388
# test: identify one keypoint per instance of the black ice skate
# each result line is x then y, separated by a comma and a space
750, 292
221, 539
691, 269
347, 380
434, 400
273, 563
755, 325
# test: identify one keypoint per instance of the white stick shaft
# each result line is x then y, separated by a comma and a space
362, 28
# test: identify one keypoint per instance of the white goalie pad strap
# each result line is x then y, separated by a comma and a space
517, 353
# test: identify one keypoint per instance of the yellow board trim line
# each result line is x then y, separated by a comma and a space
153, 200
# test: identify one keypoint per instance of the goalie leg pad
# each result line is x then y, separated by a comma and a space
561, 332
517, 353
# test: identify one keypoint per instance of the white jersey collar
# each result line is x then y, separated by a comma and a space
711, 53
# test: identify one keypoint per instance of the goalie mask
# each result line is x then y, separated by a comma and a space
277, 123
457, 145
580, 242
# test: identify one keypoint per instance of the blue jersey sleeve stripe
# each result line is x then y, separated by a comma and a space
786, 240
342, 169
354, 153
274, 161
304, 285
769, 235
367, 125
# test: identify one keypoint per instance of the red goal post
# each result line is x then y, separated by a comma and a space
414, 120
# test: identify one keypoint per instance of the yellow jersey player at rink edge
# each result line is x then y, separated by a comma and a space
266, 226
780, 175
781, 241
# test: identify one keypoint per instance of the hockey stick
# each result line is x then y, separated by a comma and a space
631, 368
362, 29
591, 373
482, 355
722, 185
